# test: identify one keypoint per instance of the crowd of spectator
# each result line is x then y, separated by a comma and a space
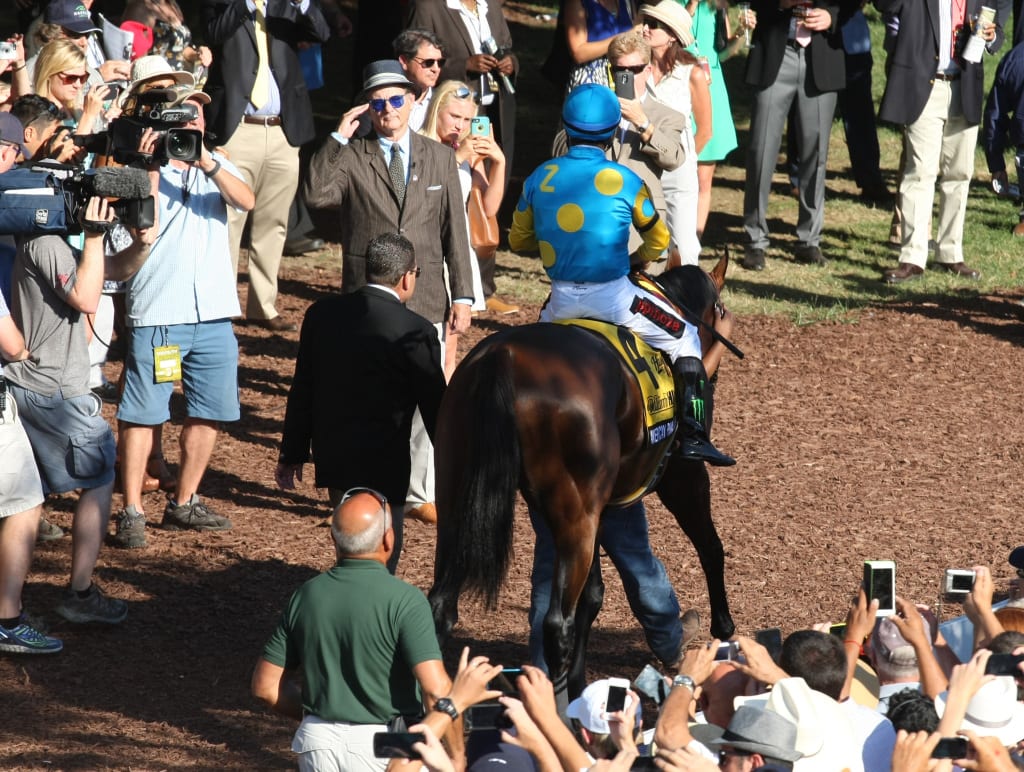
403, 169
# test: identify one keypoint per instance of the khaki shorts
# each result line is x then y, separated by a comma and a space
20, 488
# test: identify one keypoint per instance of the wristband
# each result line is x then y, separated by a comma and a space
214, 170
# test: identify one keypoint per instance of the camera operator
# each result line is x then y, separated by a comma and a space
179, 309
54, 287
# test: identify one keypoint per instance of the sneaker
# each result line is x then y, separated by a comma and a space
498, 306
48, 531
194, 515
131, 529
94, 607
25, 639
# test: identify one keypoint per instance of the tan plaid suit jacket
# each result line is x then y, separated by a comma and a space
354, 177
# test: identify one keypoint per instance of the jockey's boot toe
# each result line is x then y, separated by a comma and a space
696, 448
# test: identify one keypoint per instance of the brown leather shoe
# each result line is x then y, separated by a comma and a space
960, 269
498, 306
1018, 229
901, 273
753, 259
691, 625
277, 324
425, 513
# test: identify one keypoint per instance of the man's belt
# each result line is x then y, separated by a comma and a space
262, 120
949, 77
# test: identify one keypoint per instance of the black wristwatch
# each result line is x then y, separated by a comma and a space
445, 705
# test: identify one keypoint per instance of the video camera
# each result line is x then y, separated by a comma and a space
49, 197
158, 110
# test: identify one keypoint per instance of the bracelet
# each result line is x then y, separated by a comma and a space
19, 69
850, 640
214, 170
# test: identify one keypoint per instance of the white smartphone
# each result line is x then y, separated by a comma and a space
616, 695
880, 585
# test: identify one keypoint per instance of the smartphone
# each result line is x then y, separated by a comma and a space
838, 629
951, 748
1004, 664
480, 126
616, 695
624, 85
727, 651
880, 584
8, 50
487, 716
505, 681
652, 684
958, 582
771, 639
116, 87
396, 745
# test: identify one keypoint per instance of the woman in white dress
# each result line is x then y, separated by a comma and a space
481, 165
679, 82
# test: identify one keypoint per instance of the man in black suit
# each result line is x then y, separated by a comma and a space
260, 113
936, 95
365, 363
796, 55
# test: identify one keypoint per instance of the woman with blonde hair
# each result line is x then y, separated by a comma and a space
677, 83
60, 75
481, 165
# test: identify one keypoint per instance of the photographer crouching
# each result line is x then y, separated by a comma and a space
54, 287
180, 304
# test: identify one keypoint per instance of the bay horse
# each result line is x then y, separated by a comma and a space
551, 410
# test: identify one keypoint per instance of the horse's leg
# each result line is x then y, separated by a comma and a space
685, 489
587, 609
561, 566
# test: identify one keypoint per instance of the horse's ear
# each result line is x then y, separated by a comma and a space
718, 272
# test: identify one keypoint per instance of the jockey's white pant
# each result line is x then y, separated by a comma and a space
622, 302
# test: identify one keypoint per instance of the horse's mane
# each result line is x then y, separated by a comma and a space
689, 286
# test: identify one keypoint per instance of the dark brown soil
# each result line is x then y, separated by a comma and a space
897, 436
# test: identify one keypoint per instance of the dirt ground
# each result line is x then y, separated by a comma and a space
897, 436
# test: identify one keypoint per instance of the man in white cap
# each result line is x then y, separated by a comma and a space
590, 715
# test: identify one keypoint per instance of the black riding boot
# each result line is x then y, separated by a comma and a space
696, 404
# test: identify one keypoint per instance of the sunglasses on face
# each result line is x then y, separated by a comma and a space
636, 69
377, 105
652, 23
430, 63
67, 78
352, 492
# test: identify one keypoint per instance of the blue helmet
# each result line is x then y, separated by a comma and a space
591, 112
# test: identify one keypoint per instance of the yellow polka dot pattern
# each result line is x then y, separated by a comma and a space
570, 217
547, 253
608, 182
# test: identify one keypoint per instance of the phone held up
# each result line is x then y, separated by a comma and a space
958, 583
396, 745
1004, 664
652, 684
624, 85
505, 681
951, 748
616, 695
880, 585
480, 126
771, 639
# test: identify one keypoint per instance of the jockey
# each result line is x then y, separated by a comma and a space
576, 211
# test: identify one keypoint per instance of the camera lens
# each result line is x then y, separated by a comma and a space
183, 145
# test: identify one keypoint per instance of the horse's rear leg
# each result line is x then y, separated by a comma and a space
685, 489
561, 566
587, 609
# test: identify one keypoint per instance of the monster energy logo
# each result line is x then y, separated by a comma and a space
697, 408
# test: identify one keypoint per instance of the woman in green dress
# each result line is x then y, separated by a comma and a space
706, 22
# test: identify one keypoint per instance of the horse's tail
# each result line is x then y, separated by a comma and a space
474, 537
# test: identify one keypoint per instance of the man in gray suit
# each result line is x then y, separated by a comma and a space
394, 180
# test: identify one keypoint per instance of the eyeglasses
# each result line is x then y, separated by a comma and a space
67, 78
415, 271
636, 69
430, 63
726, 753
377, 105
462, 93
380, 497
652, 23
